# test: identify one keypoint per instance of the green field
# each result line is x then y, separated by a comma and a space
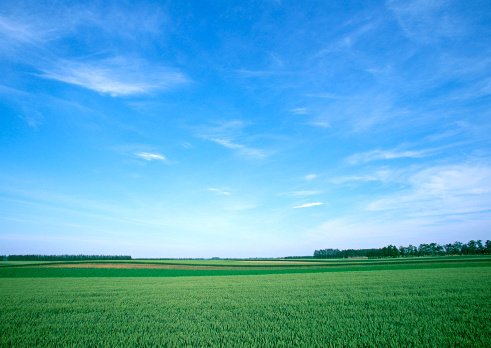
429, 302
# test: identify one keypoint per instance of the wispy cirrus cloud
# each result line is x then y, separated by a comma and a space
371, 231
32, 117
357, 113
151, 156
319, 123
240, 148
116, 77
377, 155
300, 111
441, 191
34, 22
382, 175
230, 134
308, 205
302, 193
18, 31
435, 203
33, 35
219, 191
311, 176
426, 21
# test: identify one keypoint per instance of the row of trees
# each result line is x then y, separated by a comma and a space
64, 257
473, 247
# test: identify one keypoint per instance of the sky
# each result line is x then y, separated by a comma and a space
243, 128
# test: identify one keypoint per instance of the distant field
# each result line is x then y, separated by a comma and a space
271, 263
433, 302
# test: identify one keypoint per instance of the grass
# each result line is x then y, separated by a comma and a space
223, 269
411, 304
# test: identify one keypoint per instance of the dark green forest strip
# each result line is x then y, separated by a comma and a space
40, 272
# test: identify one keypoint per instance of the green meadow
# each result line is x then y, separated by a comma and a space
427, 302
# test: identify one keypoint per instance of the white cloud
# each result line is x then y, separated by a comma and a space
372, 231
33, 118
117, 76
308, 205
31, 22
380, 175
441, 204
319, 123
18, 31
376, 155
310, 177
436, 204
219, 191
227, 143
241, 149
303, 193
149, 156
230, 134
371, 109
426, 21
300, 111
441, 191
240, 206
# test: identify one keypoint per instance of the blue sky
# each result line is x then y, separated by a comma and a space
242, 129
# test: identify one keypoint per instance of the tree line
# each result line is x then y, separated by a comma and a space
63, 257
473, 247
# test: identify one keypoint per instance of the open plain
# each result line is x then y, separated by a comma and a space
402, 302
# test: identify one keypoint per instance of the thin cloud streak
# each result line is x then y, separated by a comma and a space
149, 156
300, 111
17, 31
310, 177
230, 134
241, 149
377, 155
219, 191
308, 205
36, 22
116, 77
304, 193
380, 176
426, 21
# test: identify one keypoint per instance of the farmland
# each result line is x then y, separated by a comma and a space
403, 302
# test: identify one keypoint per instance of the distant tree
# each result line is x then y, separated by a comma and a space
66, 257
412, 250
487, 247
480, 247
432, 249
472, 247
453, 248
390, 251
424, 250
327, 254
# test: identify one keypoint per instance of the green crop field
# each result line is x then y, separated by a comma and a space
428, 302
